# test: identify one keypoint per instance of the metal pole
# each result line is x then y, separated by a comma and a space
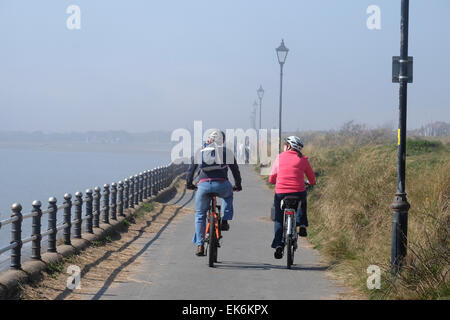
120, 209
260, 110
125, 193
36, 231
131, 193
259, 131
97, 209
89, 209
53, 210
113, 204
105, 209
400, 205
67, 217
78, 211
281, 103
16, 236
136, 190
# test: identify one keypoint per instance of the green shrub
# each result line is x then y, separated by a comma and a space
420, 146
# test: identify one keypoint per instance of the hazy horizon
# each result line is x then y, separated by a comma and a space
142, 66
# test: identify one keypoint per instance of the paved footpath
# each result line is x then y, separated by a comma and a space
168, 268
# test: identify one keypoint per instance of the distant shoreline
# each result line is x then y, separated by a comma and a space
140, 148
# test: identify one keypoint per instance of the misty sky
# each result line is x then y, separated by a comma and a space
141, 65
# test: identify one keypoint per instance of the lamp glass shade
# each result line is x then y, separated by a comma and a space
260, 92
282, 52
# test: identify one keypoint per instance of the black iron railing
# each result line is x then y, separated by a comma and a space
116, 198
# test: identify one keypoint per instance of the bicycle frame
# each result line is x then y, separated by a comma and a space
289, 232
213, 211
212, 233
289, 215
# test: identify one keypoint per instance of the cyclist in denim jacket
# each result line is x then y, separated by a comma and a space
213, 177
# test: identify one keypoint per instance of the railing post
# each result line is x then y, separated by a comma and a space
120, 210
52, 224
106, 203
67, 217
36, 231
89, 206
97, 209
145, 176
136, 190
163, 176
157, 180
167, 176
125, 193
131, 192
16, 236
77, 214
113, 201
141, 187
149, 186
152, 182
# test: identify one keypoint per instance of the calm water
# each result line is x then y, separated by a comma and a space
28, 175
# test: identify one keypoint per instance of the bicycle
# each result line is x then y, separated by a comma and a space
289, 207
213, 233
214, 219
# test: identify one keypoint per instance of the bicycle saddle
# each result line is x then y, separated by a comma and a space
212, 194
290, 202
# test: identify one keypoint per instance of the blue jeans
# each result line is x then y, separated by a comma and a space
202, 203
300, 217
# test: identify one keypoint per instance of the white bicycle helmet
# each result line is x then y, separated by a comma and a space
217, 136
295, 142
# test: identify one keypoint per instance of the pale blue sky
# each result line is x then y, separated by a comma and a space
142, 65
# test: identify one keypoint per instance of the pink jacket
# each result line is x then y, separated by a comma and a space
288, 172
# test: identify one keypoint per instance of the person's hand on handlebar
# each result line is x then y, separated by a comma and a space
191, 186
308, 185
237, 188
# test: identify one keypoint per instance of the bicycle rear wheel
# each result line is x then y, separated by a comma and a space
290, 252
212, 257
290, 242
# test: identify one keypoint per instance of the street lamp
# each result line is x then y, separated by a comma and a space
255, 107
282, 52
401, 73
260, 93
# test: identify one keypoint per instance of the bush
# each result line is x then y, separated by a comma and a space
420, 146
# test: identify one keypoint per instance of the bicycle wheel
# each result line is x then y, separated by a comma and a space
290, 252
290, 244
212, 241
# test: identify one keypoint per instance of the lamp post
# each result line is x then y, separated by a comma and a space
282, 52
253, 114
401, 73
260, 93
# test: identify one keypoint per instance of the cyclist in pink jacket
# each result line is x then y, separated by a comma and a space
288, 172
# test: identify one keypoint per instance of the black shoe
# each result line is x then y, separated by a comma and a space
224, 226
301, 231
200, 251
278, 253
